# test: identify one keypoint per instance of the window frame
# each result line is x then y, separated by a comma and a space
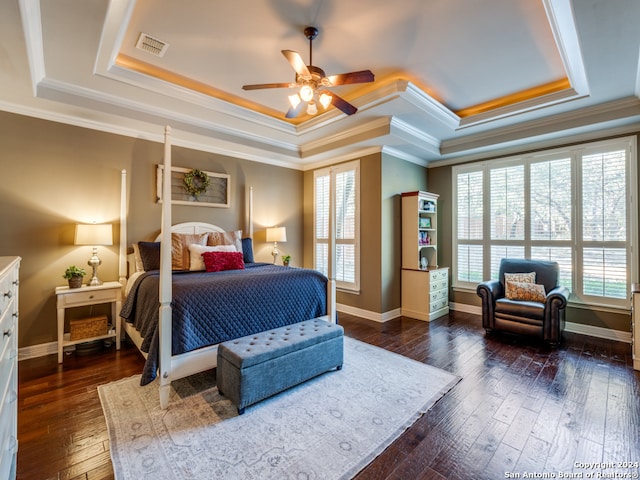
332, 171
577, 245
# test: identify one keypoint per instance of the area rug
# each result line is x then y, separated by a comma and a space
327, 428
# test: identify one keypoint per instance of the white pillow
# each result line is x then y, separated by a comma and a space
196, 262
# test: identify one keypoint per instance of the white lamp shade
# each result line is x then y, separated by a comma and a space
94, 234
277, 234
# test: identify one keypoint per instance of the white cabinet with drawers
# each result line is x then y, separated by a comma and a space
425, 287
425, 293
9, 269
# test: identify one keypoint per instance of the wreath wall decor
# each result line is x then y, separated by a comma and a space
192, 186
196, 182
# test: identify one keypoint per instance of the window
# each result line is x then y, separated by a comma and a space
343, 180
573, 206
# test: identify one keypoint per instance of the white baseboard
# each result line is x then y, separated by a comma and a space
599, 332
43, 349
606, 333
374, 316
35, 351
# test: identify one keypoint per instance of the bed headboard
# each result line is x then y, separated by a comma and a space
187, 227
192, 227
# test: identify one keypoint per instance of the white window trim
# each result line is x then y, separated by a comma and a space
575, 151
332, 171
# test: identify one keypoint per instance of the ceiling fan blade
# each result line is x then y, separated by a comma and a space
340, 103
260, 86
363, 76
294, 112
296, 62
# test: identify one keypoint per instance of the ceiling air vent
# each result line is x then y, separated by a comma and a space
151, 45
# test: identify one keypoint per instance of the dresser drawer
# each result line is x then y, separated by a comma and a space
439, 295
90, 297
438, 304
435, 285
441, 274
7, 426
8, 291
7, 374
7, 329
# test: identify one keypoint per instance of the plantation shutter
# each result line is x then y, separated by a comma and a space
604, 225
470, 226
345, 178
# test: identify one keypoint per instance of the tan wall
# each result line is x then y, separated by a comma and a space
382, 179
55, 175
369, 296
397, 176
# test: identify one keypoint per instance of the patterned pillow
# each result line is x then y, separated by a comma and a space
226, 238
219, 261
530, 292
520, 277
196, 262
180, 242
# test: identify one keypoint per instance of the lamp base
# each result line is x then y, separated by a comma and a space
275, 252
94, 262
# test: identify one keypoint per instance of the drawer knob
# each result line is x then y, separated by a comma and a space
8, 294
7, 333
16, 282
90, 297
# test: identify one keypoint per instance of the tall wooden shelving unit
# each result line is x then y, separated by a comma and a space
425, 286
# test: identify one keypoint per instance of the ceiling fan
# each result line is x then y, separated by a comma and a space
313, 83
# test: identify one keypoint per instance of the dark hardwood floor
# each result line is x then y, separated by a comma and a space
520, 408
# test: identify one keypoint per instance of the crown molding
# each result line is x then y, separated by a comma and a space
414, 136
394, 152
563, 28
360, 132
555, 124
32, 26
596, 134
519, 108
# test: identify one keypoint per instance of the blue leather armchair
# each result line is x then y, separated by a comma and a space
545, 320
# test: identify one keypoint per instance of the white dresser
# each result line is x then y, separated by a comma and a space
425, 293
9, 267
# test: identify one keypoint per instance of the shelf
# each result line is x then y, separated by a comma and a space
67, 338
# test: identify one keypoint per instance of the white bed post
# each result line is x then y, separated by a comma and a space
165, 314
122, 266
250, 220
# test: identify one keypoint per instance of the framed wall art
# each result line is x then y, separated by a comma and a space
190, 186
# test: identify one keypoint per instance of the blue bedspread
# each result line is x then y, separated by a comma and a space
209, 308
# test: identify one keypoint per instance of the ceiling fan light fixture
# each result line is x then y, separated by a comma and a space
306, 93
312, 109
325, 100
294, 100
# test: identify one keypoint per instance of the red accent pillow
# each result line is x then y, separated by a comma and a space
218, 261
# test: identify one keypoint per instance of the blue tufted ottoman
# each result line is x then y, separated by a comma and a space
258, 366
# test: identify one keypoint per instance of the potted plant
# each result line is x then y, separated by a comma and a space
74, 275
285, 260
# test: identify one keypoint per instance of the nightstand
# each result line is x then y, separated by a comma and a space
108, 292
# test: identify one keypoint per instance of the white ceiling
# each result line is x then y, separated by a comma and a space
455, 79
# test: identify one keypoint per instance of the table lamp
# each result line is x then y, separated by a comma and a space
94, 234
275, 235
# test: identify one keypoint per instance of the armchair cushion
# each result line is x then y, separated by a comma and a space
531, 292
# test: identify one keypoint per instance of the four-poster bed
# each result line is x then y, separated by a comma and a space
168, 333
